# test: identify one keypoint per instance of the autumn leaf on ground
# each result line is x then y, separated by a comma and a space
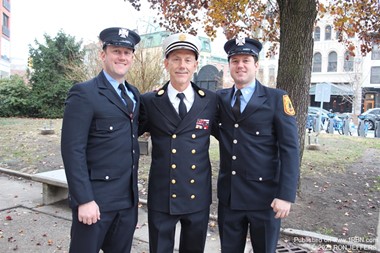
8, 217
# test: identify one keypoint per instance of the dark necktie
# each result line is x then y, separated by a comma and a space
236, 107
182, 107
126, 98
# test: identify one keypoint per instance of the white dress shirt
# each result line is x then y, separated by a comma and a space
188, 100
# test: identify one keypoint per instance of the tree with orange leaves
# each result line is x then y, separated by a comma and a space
288, 24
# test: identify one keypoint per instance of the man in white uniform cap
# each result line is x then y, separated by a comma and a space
180, 119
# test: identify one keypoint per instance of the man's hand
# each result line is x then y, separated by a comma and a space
88, 213
281, 208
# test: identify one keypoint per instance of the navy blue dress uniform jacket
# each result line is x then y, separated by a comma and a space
99, 146
259, 152
180, 172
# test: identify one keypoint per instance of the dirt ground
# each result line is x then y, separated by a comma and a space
343, 204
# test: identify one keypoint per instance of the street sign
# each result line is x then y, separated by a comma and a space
322, 92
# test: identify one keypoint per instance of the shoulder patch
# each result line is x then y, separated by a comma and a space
288, 107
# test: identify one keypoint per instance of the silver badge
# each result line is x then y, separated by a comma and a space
123, 33
240, 40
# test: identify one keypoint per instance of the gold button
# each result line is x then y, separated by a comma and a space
260, 179
192, 181
107, 177
174, 166
173, 181
111, 128
174, 196
233, 173
235, 141
193, 136
193, 167
174, 136
193, 151
192, 197
257, 132
234, 157
174, 151
236, 125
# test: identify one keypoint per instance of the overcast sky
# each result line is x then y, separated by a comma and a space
83, 19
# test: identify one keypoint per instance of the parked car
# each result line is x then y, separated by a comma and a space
370, 116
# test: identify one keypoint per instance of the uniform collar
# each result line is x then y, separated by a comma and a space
247, 91
172, 92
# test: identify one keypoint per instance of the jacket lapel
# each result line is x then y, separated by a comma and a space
106, 89
226, 96
166, 109
257, 99
198, 106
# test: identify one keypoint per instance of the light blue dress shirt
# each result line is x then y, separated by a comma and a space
115, 85
246, 94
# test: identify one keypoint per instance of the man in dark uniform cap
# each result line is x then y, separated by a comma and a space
100, 150
259, 155
179, 117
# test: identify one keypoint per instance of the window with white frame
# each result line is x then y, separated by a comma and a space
328, 32
317, 33
375, 55
348, 62
375, 75
317, 62
333, 62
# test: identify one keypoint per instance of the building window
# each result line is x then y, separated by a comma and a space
375, 52
328, 32
317, 62
333, 62
375, 75
149, 42
317, 33
5, 27
206, 46
348, 62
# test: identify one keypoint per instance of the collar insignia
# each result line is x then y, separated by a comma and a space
201, 93
160, 92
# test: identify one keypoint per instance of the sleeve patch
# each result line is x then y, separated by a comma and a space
288, 107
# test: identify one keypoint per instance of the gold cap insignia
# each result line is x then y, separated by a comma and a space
160, 92
201, 93
182, 37
288, 107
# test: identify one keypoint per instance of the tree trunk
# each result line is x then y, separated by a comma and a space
297, 19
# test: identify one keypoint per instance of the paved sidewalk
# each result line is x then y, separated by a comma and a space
27, 226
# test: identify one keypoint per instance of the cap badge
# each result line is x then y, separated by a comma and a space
240, 41
182, 37
123, 33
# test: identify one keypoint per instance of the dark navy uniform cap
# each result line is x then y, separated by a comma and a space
118, 36
243, 45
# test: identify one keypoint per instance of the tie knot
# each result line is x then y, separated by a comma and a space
238, 93
122, 87
181, 96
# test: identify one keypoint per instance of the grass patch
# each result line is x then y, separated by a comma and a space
336, 153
